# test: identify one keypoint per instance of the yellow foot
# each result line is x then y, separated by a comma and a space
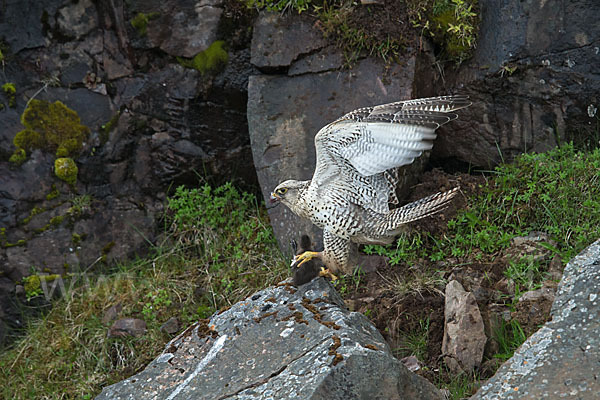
304, 257
327, 273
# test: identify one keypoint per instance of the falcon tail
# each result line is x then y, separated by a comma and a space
419, 209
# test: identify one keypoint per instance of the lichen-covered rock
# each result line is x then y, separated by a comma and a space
561, 359
280, 343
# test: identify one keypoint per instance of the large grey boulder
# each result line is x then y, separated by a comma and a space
533, 81
280, 343
279, 40
561, 359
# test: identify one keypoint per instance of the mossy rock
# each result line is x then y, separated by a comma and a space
66, 169
212, 59
51, 127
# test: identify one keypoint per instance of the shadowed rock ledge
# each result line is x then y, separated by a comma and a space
280, 343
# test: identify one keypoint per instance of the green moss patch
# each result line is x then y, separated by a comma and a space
53, 194
140, 22
18, 157
34, 211
51, 127
33, 284
10, 90
212, 59
28, 140
66, 169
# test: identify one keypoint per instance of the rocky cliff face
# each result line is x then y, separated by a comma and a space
532, 79
165, 104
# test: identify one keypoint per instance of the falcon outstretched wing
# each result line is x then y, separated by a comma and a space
361, 146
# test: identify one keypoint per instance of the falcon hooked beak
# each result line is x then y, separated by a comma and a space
274, 199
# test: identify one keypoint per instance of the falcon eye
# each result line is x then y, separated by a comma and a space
281, 191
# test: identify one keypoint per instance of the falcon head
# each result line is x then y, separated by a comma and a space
287, 192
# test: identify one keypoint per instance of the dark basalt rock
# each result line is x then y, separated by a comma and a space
154, 125
532, 79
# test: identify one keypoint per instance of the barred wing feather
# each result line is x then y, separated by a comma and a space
375, 139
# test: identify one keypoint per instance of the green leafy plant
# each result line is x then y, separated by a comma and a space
157, 301
555, 192
80, 204
527, 273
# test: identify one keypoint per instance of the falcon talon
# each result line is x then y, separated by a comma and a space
308, 270
305, 257
327, 273
356, 176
